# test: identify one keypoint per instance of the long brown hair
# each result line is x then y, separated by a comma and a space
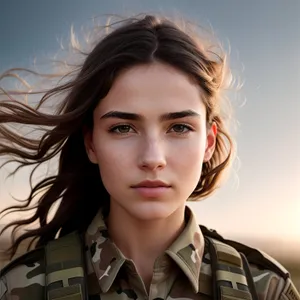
77, 183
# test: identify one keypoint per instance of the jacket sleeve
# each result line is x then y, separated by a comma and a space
289, 291
271, 286
3, 289
23, 280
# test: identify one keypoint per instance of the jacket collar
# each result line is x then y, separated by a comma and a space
107, 260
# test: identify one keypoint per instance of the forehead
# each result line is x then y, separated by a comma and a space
157, 86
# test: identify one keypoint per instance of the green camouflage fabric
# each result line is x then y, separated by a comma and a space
183, 272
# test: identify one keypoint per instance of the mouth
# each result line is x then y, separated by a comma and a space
151, 189
152, 184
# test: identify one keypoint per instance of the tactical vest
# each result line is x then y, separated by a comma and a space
231, 277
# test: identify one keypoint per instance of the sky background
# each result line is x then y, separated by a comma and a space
264, 203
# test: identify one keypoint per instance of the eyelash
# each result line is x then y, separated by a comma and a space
114, 129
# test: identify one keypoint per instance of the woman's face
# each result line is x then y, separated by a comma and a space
150, 140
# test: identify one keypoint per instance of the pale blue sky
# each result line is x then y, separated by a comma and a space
264, 37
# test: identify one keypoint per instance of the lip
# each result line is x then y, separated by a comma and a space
152, 189
151, 184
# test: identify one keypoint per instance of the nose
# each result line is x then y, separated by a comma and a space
152, 156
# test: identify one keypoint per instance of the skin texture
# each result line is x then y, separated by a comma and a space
149, 147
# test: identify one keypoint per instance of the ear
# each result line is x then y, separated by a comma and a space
89, 145
210, 142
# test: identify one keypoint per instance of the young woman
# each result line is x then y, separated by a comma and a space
139, 131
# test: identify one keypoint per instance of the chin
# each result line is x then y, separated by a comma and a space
153, 211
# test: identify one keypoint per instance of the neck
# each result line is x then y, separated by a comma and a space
143, 241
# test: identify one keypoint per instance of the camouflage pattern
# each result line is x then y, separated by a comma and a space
183, 272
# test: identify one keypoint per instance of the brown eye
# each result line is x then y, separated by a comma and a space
181, 128
121, 129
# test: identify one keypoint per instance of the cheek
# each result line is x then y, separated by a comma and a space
113, 158
188, 160
189, 151
192, 161
111, 168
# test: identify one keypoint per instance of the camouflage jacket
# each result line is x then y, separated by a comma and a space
183, 272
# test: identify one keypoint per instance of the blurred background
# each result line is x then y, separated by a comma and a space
260, 203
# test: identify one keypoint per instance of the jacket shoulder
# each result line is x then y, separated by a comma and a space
270, 285
24, 277
271, 280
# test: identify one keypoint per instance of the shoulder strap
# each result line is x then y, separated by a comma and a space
65, 269
230, 273
254, 256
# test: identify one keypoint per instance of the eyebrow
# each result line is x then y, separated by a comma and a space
137, 117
